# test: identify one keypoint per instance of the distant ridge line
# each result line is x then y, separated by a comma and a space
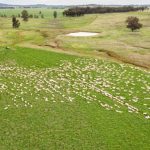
3, 5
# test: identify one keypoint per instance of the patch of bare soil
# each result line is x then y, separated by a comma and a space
134, 58
82, 34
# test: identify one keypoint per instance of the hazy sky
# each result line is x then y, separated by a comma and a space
64, 2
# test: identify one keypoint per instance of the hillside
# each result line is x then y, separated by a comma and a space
60, 90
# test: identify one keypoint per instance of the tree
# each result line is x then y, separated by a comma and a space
30, 16
25, 15
15, 22
55, 14
133, 23
36, 16
42, 16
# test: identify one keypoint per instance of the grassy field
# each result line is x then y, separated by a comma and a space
59, 92
114, 39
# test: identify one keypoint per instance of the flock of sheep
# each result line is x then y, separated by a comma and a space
114, 87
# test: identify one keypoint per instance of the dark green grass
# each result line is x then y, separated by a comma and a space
27, 57
65, 126
71, 126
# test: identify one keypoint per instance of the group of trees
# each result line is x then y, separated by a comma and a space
25, 16
132, 22
79, 11
16, 22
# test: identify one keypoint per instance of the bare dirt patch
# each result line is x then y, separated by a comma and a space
82, 34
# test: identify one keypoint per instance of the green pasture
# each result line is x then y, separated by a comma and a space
74, 93
59, 118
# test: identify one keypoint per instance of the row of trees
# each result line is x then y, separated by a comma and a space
25, 15
29, 15
33, 16
80, 11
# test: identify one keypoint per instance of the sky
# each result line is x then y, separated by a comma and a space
75, 2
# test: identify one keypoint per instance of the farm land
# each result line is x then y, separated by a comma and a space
62, 92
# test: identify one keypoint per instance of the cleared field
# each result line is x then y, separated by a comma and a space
60, 92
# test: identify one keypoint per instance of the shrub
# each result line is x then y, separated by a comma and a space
55, 14
25, 15
42, 16
15, 22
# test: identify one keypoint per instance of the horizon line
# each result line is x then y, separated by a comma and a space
73, 4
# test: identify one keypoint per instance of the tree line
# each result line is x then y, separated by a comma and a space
80, 11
